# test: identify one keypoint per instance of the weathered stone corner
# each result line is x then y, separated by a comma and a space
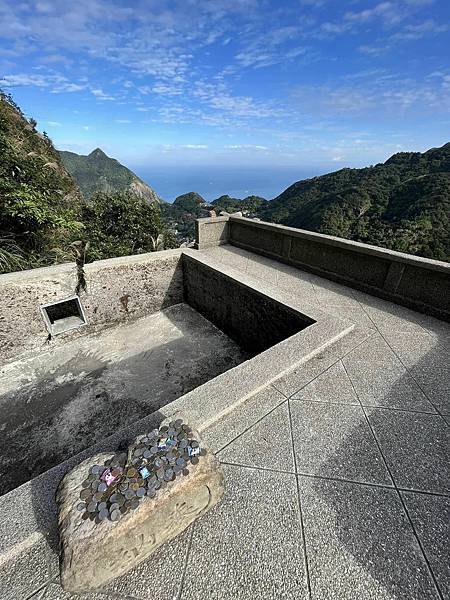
92, 554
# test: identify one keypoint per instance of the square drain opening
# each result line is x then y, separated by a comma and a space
63, 315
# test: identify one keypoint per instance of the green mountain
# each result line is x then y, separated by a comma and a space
249, 205
189, 202
40, 203
97, 172
402, 204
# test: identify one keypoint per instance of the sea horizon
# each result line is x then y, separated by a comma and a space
211, 181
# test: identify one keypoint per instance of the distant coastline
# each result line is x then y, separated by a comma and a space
212, 182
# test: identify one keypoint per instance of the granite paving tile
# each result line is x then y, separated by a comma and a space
295, 380
416, 447
360, 544
431, 518
333, 385
266, 444
264, 268
388, 316
335, 441
26, 571
54, 591
380, 379
157, 577
435, 382
250, 545
224, 431
353, 313
411, 347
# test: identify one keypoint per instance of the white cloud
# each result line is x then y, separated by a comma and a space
100, 94
123, 121
86, 127
54, 124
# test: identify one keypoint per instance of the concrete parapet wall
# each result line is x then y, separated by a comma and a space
419, 283
118, 289
212, 231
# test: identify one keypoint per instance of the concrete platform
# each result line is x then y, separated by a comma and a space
336, 474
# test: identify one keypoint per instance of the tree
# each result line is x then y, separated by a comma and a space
120, 223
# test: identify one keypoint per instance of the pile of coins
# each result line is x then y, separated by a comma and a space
117, 487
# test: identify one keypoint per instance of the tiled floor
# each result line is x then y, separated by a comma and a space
337, 476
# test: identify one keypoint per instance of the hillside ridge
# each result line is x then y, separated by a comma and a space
97, 172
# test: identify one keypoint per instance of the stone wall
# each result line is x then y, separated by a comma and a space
252, 319
118, 289
419, 283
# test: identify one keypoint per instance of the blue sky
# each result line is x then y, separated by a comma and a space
318, 84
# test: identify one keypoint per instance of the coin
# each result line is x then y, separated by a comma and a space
86, 483
140, 492
102, 487
85, 494
178, 423
131, 472
123, 487
98, 496
85, 516
81, 506
185, 471
134, 503
103, 514
115, 515
129, 494
194, 460
114, 506
151, 492
92, 507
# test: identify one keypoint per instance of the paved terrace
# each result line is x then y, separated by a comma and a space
337, 476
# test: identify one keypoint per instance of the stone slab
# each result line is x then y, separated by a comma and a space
249, 546
416, 447
334, 440
360, 544
94, 554
431, 519
266, 444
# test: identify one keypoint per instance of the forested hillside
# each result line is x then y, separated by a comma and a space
43, 212
97, 172
39, 201
402, 204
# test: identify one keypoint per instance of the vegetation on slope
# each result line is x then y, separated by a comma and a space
402, 204
42, 211
39, 201
250, 205
97, 172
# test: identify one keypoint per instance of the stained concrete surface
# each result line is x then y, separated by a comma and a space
58, 403
314, 535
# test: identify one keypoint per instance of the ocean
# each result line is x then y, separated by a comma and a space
212, 182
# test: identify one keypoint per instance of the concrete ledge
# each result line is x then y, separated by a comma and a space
419, 283
118, 289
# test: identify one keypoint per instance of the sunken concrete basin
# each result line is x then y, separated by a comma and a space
171, 323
